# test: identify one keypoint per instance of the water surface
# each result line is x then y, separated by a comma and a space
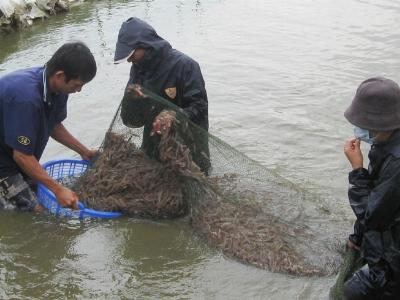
278, 76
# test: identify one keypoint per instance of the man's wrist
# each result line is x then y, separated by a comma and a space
82, 150
55, 187
357, 166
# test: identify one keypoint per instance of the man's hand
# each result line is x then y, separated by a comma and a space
31, 167
67, 198
89, 154
353, 153
163, 122
63, 136
351, 245
136, 90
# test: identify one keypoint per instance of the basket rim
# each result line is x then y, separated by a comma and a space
83, 211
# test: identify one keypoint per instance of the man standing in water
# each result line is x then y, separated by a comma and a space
167, 73
33, 104
374, 194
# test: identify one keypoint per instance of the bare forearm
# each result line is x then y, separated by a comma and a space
63, 136
31, 167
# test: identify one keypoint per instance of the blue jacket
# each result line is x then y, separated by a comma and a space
165, 69
173, 76
27, 119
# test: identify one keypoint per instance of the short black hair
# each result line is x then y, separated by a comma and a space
75, 59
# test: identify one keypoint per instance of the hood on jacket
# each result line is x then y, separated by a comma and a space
135, 33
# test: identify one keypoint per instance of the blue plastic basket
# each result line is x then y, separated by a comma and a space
68, 168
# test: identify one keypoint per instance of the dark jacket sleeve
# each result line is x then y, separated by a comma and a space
376, 206
194, 99
360, 187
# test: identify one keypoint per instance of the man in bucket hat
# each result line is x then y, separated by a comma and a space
374, 194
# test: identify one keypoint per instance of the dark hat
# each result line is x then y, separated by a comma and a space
376, 105
136, 34
126, 40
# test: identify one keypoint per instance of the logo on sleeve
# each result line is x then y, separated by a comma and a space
24, 140
171, 92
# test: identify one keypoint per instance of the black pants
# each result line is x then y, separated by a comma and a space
371, 284
17, 193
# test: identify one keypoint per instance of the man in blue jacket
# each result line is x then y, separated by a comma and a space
169, 74
33, 105
374, 194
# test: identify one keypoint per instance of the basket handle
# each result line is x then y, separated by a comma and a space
81, 206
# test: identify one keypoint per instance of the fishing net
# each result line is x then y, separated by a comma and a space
352, 261
236, 205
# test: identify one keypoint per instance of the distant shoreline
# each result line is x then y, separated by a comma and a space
17, 14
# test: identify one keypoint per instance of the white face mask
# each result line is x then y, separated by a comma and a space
363, 134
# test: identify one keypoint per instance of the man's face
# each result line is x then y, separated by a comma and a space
137, 56
73, 86
61, 85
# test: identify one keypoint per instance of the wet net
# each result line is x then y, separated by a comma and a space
236, 205
352, 261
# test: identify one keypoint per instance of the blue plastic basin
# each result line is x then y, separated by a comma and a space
68, 168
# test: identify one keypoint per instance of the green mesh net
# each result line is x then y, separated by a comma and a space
236, 205
352, 261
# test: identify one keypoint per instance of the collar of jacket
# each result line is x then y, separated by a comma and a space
393, 145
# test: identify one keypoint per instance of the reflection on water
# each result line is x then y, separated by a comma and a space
278, 76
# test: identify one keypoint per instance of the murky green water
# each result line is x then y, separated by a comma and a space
279, 76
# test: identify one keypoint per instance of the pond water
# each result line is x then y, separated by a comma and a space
279, 76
